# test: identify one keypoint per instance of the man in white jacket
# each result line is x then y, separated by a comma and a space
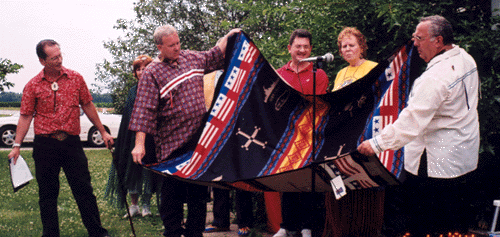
439, 130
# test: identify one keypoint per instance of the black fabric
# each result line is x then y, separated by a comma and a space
173, 195
221, 208
50, 156
244, 209
424, 205
298, 210
124, 174
422, 168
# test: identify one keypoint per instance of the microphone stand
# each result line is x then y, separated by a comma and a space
316, 65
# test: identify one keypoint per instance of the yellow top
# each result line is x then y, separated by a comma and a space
209, 81
350, 74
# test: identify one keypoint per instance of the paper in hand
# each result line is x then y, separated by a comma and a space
20, 173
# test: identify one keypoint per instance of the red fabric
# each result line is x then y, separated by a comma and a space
273, 209
59, 110
303, 81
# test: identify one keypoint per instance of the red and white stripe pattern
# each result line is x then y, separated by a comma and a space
224, 107
248, 52
389, 104
180, 79
356, 177
235, 78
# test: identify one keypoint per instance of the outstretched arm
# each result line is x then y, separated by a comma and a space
222, 43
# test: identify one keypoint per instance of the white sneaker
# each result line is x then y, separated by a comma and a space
146, 211
306, 233
134, 211
285, 233
281, 233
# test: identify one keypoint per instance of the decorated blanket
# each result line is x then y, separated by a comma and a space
258, 134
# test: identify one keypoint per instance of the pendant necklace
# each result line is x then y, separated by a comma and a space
54, 86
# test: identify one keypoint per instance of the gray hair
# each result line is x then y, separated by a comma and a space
439, 26
162, 31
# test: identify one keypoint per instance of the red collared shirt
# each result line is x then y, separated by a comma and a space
303, 81
55, 110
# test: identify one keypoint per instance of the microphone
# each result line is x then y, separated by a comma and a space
326, 58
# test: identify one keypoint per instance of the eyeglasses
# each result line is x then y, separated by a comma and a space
419, 39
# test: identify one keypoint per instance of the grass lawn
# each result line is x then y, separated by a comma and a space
20, 216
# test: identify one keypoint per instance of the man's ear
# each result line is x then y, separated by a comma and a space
42, 61
439, 39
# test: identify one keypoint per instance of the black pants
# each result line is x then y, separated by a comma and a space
298, 210
244, 209
222, 207
173, 195
423, 205
439, 206
50, 156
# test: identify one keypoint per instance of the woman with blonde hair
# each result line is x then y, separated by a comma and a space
352, 47
360, 212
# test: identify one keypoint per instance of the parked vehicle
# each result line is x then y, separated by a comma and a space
88, 133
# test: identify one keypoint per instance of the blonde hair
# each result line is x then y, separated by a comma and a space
352, 31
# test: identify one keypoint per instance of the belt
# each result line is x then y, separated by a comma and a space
60, 135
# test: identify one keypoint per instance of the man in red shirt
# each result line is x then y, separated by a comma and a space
297, 208
54, 98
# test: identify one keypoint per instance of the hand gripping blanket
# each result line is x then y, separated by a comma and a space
258, 131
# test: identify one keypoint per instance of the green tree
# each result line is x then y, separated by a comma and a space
10, 97
387, 24
6, 67
199, 23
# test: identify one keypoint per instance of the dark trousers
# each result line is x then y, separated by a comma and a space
50, 156
423, 205
173, 195
439, 206
244, 209
222, 207
298, 210
434, 206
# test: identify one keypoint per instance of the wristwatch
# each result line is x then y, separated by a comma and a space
16, 145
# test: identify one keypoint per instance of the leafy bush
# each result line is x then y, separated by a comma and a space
387, 24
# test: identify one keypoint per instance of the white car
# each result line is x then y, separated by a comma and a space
88, 133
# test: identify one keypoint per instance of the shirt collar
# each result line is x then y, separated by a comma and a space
41, 75
444, 55
290, 68
171, 62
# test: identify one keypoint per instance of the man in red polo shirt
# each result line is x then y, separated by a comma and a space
297, 208
54, 98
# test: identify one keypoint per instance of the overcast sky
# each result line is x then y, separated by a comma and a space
79, 26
